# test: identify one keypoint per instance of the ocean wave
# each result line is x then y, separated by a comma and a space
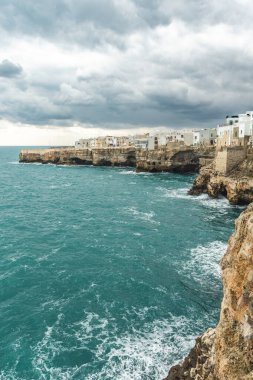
144, 216
61, 186
144, 354
174, 193
128, 172
221, 204
29, 163
203, 263
139, 354
133, 172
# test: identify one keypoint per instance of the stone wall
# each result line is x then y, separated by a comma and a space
228, 158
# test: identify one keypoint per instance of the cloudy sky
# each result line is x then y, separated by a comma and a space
75, 68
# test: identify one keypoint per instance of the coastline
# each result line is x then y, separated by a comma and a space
179, 159
213, 358
226, 351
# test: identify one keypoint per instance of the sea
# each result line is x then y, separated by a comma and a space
105, 274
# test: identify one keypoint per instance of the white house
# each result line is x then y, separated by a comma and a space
153, 142
82, 144
205, 136
236, 130
141, 141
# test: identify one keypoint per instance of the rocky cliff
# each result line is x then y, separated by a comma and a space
72, 156
226, 352
179, 159
237, 186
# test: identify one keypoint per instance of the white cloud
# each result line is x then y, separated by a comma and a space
31, 135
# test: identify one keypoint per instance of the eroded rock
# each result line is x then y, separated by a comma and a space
226, 352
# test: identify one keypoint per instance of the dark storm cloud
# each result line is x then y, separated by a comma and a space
133, 62
9, 69
67, 19
82, 22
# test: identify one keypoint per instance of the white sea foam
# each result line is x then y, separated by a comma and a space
10, 375
221, 204
147, 353
60, 186
174, 193
144, 216
139, 354
14, 162
203, 263
128, 172
217, 203
26, 163
145, 173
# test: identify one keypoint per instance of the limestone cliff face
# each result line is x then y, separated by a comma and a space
226, 352
64, 156
72, 156
114, 157
180, 159
238, 188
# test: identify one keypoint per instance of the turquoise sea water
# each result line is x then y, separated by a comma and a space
104, 273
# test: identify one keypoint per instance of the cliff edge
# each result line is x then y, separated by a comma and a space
179, 159
230, 174
237, 186
226, 352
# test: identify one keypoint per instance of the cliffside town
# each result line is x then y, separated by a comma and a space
173, 150
224, 158
235, 130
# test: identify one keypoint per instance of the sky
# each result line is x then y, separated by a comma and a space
77, 68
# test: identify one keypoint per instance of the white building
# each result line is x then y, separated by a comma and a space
205, 136
175, 136
153, 142
236, 130
158, 140
83, 144
141, 141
